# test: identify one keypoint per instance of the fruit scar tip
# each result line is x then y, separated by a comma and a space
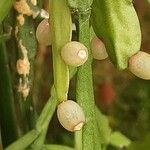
78, 126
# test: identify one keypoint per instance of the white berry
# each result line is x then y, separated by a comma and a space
43, 33
74, 53
70, 115
139, 65
98, 49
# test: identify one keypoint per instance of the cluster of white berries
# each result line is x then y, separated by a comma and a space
70, 114
73, 53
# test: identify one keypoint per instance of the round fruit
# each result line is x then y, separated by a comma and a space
74, 53
43, 33
70, 115
139, 65
98, 49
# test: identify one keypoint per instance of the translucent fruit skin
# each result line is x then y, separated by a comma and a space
70, 115
43, 33
98, 49
74, 53
139, 65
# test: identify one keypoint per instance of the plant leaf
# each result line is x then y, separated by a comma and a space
103, 127
117, 139
119, 31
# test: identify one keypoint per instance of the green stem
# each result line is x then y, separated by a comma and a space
38, 143
24, 141
97, 137
78, 140
44, 119
41, 128
7, 108
47, 112
86, 97
60, 21
46, 115
84, 81
56, 147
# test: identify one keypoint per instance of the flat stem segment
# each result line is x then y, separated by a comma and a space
60, 21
